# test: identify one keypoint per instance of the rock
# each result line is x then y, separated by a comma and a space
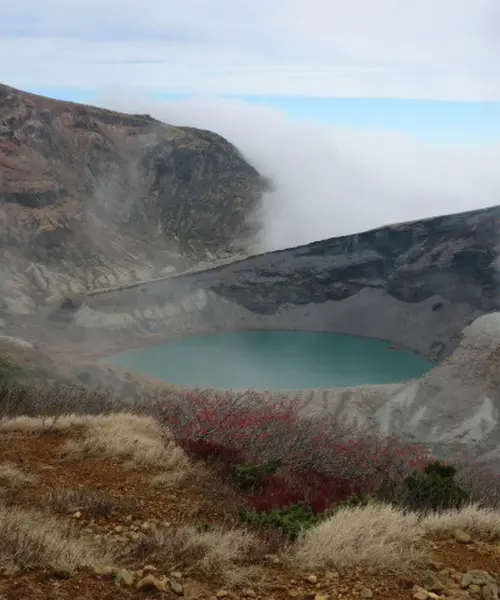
320, 597
476, 577
103, 569
77, 515
151, 583
176, 575
312, 579
421, 595
490, 591
249, 593
431, 582
222, 594
126, 576
332, 574
177, 588
462, 536
366, 593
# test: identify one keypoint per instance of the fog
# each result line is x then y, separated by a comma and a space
331, 181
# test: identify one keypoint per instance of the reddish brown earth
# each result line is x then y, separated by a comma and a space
202, 498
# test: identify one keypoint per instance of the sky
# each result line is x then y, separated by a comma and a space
363, 111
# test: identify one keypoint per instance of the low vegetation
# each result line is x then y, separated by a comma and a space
32, 539
226, 483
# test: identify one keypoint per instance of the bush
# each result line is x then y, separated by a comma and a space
289, 521
435, 488
321, 463
252, 476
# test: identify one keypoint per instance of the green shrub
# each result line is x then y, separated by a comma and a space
289, 521
354, 501
250, 476
434, 488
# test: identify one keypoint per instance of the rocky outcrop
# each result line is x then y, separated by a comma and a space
414, 284
90, 198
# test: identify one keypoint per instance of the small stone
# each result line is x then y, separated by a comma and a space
431, 583
176, 575
249, 593
177, 588
421, 595
332, 574
312, 579
118, 529
145, 526
126, 576
476, 577
222, 594
103, 569
462, 536
294, 593
366, 593
151, 583
490, 591
320, 597
77, 515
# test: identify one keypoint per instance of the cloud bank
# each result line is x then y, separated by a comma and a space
437, 49
333, 181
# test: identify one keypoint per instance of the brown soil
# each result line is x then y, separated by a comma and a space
203, 498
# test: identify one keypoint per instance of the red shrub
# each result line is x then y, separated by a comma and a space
208, 450
323, 464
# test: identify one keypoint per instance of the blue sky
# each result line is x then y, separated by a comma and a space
440, 121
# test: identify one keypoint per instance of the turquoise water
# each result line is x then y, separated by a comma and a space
274, 359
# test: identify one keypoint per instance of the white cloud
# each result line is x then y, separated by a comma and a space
332, 181
441, 49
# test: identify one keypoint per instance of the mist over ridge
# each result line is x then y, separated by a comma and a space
330, 181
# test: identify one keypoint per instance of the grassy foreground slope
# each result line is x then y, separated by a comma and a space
198, 499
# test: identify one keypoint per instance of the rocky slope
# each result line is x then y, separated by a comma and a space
91, 198
414, 284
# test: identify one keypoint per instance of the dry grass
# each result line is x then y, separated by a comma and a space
30, 539
38, 425
216, 553
12, 477
137, 440
94, 502
169, 479
482, 523
125, 437
378, 536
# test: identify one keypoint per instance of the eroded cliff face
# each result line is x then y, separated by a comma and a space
91, 198
414, 284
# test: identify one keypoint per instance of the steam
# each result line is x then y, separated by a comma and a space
332, 181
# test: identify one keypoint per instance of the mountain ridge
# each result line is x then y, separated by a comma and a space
90, 196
